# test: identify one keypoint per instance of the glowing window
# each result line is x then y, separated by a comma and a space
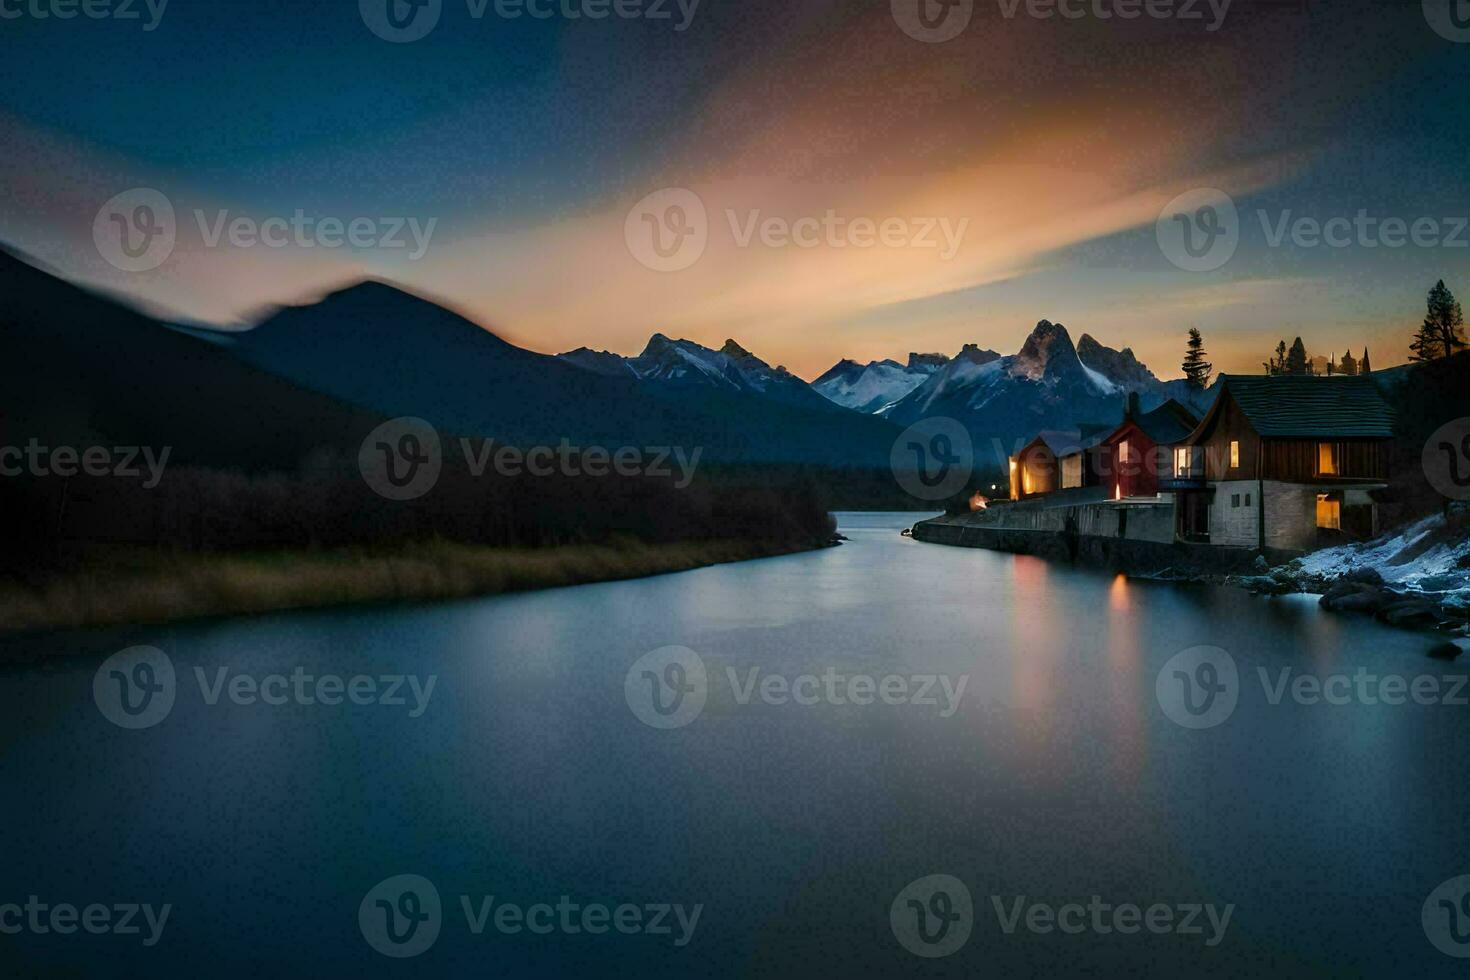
1329, 512
1181, 462
1123, 452
1234, 455
1072, 471
1327, 458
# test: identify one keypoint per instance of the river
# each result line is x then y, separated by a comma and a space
822, 757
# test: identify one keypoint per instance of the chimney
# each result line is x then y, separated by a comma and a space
1130, 406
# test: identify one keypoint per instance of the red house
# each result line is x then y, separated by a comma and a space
1139, 452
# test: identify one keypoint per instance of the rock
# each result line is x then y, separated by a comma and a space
1441, 583
1365, 575
1261, 565
1263, 585
1367, 601
1410, 612
1448, 650
1344, 596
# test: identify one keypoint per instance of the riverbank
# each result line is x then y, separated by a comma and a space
1416, 576
130, 587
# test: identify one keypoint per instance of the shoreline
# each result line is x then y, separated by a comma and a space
151, 589
1352, 589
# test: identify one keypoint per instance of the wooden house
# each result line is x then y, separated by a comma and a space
1055, 461
1138, 455
1285, 462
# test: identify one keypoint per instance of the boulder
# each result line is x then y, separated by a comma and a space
1345, 596
1365, 575
1410, 612
1365, 601
1448, 650
1261, 565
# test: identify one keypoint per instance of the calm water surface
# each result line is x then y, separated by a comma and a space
528, 777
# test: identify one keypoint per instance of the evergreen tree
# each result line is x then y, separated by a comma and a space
1196, 368
1348, 366
1296, 359
1421, 348
1331, 364
1277, 364
1363, 366
1443, 331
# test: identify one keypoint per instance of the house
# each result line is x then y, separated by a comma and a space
1055, 461
1284, 462
1138, 454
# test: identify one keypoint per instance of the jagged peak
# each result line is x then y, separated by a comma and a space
734, 350
926, 360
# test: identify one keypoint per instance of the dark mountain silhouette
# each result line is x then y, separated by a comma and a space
379, 347
78, 369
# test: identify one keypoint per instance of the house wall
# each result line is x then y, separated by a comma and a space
1291, 516
1230, 426
1235, 514
1041, 465
1296, 459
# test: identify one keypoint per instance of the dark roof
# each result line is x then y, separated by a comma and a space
1063, 443
1171, 422
1288, 406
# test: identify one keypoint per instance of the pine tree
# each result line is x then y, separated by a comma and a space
1331, 364
1363, 366
1348, 366
1444, 326
1196, 368
1422, 346
1277, 364
1297, 361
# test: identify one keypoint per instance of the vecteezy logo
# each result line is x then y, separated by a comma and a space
400, 21
933, 21
933, 458
136, 231
668, 230
1199, 230
932, 916
401, 459
1449, 18
134, 688
1447, 459
401, 916
1198, 687
667, 687
1446, 917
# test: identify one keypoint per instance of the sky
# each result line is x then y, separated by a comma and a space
826, 180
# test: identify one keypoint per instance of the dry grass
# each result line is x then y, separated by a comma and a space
149, 587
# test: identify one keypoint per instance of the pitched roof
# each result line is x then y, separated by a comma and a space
1287, 406
1171, 422
1063, 443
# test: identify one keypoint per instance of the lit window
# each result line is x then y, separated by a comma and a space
1329, 511
1327, 458
1234, 455
1072, 471
1123, 452
1181, 462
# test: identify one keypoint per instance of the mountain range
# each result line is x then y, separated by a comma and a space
78, 365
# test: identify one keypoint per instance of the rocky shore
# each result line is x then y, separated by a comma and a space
1417, 577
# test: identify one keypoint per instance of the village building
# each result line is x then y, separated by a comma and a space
1137, 456
1284, 462
1057, 461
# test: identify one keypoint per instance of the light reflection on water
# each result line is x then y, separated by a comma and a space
530, 777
